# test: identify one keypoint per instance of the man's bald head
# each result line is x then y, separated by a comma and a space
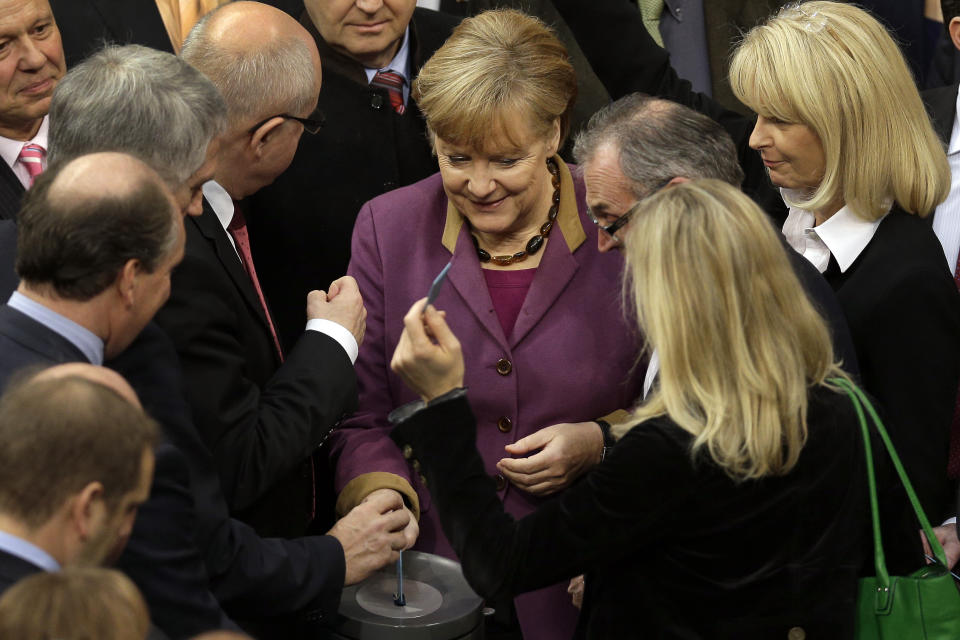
84, 220
263, 61
99, 375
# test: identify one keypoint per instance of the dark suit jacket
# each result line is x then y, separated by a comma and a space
261, 420
300, 226
11, 193
85, 25
290, 583
161, 556
671, 548
13, 569
8, 255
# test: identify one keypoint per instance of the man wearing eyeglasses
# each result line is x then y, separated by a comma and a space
639, 145
261, 411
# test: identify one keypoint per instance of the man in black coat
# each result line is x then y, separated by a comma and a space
301, 225
250, 576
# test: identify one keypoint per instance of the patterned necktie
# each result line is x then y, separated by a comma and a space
393, 83
953, 465
31, 157
238, 229
651, 10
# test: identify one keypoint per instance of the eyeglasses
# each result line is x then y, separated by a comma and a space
311, 124
612, 228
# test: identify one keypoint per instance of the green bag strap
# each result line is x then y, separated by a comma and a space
859, 402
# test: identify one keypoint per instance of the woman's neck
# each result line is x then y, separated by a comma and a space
827, 212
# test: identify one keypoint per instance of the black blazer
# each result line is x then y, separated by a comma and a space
86, 25
291, 583
261, 420
904, 313
161, 556
301, 225
13, 569
670, 548
11, 193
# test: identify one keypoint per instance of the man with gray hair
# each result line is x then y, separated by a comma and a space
640, 144
251, 577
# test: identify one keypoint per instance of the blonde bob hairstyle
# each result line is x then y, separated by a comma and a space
82, 603
496, 68
835, 69
738, 340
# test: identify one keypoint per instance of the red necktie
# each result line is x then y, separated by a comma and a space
238, 229
31, 157
393, 83
953, 465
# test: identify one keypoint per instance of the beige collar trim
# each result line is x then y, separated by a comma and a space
568, 218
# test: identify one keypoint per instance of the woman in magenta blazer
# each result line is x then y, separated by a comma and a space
536, 305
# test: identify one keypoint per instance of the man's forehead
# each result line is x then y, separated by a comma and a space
20, 14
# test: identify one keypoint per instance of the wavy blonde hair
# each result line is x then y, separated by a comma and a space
835, 69
738, 340
497, 66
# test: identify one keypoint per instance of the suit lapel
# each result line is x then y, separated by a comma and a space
466, 276
11, 193
35, 337
557, 268
209, 226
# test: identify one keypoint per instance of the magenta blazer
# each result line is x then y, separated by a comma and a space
570, 357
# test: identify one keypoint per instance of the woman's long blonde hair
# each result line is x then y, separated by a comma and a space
834, 68
739, 342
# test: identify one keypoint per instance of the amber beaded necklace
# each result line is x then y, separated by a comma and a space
535, 243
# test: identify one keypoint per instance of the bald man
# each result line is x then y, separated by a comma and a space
261, 409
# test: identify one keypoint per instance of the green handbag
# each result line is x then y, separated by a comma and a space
924, 605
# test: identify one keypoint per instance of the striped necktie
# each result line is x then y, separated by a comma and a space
31, 157
393, 83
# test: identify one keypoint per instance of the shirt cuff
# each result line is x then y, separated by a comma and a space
952, 520
339, 333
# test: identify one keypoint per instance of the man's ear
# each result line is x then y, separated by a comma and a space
263, 134
83, 508
954, 29
126, 283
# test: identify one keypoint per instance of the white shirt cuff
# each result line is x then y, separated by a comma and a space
952, 520
339, 333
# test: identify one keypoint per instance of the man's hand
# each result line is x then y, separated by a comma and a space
412, 530
428, 355
343, 305
947, 537
372, 534
566, 452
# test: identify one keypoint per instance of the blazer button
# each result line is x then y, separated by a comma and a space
376, 101
423, 480
407, 452
504, 424
796, 633
416, 465
501, 482
504, 367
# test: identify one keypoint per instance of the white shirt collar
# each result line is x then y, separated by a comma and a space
400, 63
844, 235
954, 146
10, 149
222, 205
